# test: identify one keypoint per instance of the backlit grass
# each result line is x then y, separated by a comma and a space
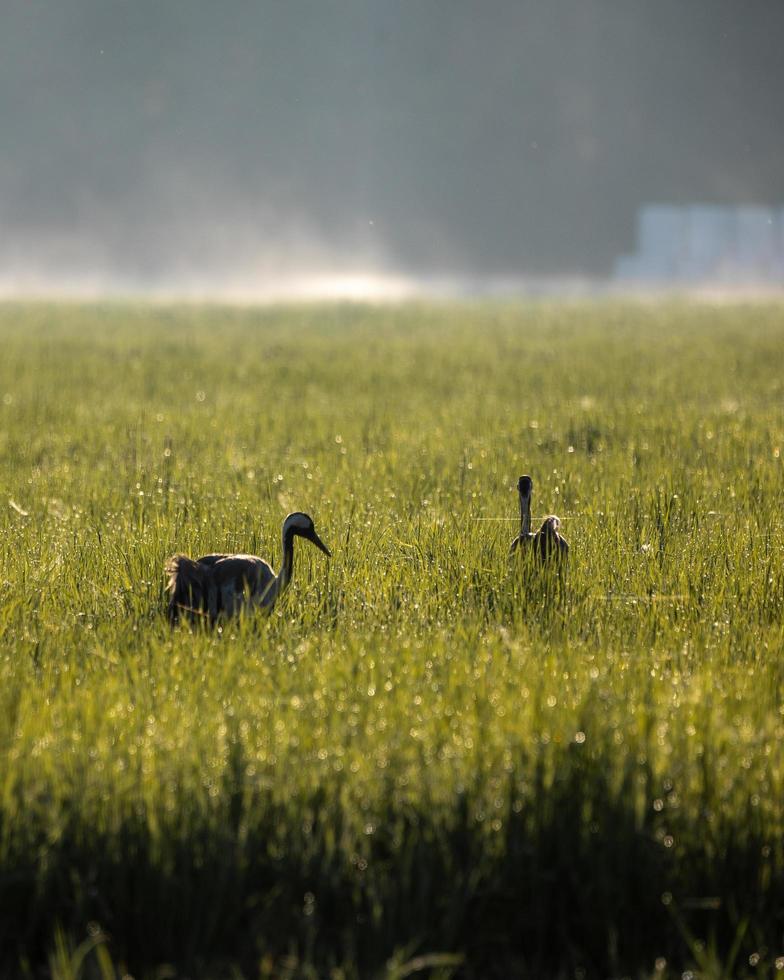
423, 750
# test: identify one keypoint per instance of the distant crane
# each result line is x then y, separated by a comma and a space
547, 542
220, 584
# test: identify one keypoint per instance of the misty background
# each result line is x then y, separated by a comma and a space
190, 145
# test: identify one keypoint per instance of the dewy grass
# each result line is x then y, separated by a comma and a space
423, 752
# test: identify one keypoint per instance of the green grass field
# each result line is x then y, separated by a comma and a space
425, 761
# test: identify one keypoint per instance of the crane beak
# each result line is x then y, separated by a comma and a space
319, 544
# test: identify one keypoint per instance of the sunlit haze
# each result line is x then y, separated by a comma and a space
368, 149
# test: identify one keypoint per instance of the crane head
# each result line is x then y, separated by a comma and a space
302, 525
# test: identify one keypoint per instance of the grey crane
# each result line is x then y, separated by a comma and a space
222, 584
546, 543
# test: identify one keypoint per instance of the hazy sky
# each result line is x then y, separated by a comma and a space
165, 141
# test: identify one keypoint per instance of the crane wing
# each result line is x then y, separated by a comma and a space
237, 579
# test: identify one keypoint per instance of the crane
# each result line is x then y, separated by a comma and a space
224, 584
544, 544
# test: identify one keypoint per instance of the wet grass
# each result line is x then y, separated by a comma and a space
424, 752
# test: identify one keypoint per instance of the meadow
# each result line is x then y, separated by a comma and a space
426, 761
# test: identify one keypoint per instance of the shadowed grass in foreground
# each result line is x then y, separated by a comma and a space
424, 750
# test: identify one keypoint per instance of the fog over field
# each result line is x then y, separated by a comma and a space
346, 147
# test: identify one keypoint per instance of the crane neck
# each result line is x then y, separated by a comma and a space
279, 584
525, 515
287, 563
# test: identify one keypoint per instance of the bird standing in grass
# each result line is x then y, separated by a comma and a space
218, 584
546, 543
